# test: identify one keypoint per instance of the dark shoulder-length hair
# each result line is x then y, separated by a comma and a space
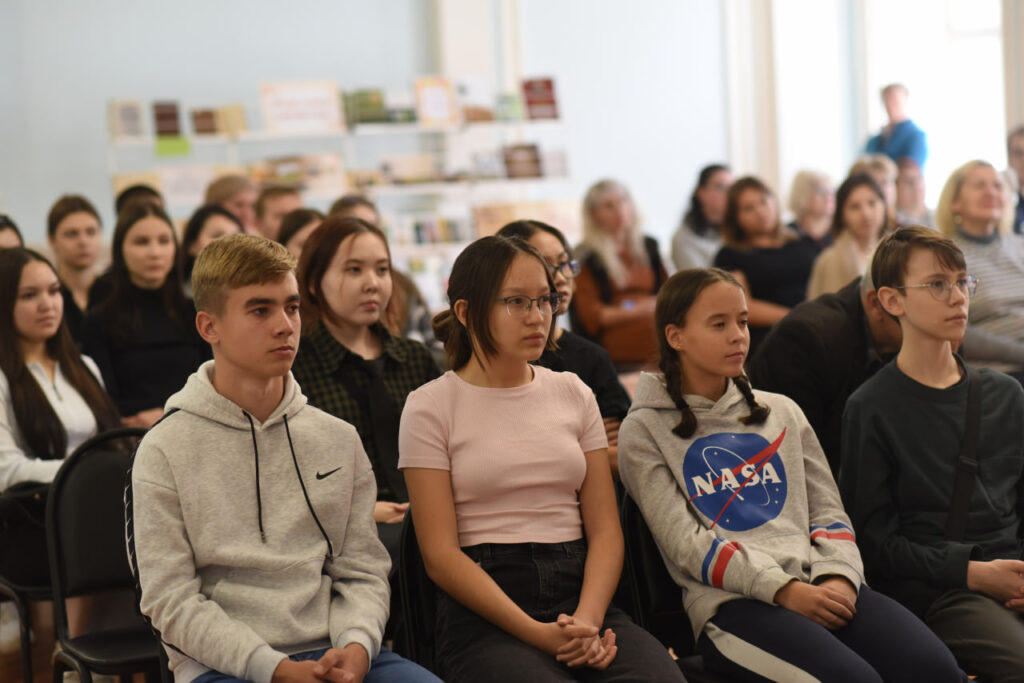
733, 234
120, 311
843, 195
42, 430
317, 254
476, 278
194, 228
694, 218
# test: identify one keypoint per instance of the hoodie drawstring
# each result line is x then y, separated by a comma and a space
256, 457
309, 504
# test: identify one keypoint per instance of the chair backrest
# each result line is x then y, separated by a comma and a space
658, 599
418, 595
85, 521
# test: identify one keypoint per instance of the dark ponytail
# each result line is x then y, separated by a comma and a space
758, 411
674, 384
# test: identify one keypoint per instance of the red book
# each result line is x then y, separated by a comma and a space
539, 94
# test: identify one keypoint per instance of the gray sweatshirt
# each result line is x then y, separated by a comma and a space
737, 511
254, 541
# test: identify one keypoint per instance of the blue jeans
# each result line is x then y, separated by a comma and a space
386, 668
544, 579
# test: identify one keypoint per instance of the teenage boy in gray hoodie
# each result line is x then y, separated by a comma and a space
250, 513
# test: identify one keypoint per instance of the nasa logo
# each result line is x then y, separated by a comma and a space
736, 480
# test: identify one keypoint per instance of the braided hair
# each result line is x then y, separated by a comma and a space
674, 300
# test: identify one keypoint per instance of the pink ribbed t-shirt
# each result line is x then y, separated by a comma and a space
515, 454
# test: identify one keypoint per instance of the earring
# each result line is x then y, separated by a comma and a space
957, 219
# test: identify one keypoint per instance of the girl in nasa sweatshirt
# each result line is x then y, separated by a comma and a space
740, 499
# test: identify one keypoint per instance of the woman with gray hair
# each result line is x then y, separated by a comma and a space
619, 278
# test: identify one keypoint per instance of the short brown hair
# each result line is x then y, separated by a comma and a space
476, 278
236, 261
226, 187
889, 264
273, 192
64, 207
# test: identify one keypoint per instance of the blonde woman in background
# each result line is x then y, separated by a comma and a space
812, 202
619, 278
974, 210
857, 227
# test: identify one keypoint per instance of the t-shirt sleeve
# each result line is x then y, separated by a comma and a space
592, 433
423, 431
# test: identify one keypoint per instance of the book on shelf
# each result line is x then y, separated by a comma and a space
522, 161
166, 118
409, 168
563, 214
231, 119
125, 119
539, 94
204, 121
509, 107
314, 173
476, 97
436, 104
301, 107
365, 106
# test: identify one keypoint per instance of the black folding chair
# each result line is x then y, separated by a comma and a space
657, 598
418, 595
22, 595
85, 535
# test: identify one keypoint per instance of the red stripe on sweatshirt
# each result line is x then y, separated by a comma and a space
835, 535
722, 562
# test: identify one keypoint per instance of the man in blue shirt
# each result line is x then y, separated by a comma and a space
900, 137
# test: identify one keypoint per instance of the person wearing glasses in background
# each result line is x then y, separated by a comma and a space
953, 560
973, 210
574, 353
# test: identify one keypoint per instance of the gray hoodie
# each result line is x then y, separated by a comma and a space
254, 541
737, 510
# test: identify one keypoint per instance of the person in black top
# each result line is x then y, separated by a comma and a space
958, 566
771, 262
143, 336
73, 229
350, 362
822, 351
574, 353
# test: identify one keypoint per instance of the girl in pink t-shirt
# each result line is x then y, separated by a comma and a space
511, 491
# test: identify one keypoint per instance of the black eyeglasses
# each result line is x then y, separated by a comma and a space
942, 289
569, 269
519, 306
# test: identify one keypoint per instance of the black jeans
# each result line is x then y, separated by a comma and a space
545, 580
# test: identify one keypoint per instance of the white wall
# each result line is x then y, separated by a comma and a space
63, 60
641, 87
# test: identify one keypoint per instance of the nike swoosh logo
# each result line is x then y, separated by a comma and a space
326, 474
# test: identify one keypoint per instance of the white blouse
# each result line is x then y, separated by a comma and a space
16, 465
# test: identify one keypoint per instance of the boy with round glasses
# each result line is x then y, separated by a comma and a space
905, 441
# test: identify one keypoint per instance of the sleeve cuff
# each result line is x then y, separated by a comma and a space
822, 570
767, 584
355, 635
955, 572
262, 664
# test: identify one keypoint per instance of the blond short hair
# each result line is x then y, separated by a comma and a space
236, 261
805, 185
226, 187
874, 164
